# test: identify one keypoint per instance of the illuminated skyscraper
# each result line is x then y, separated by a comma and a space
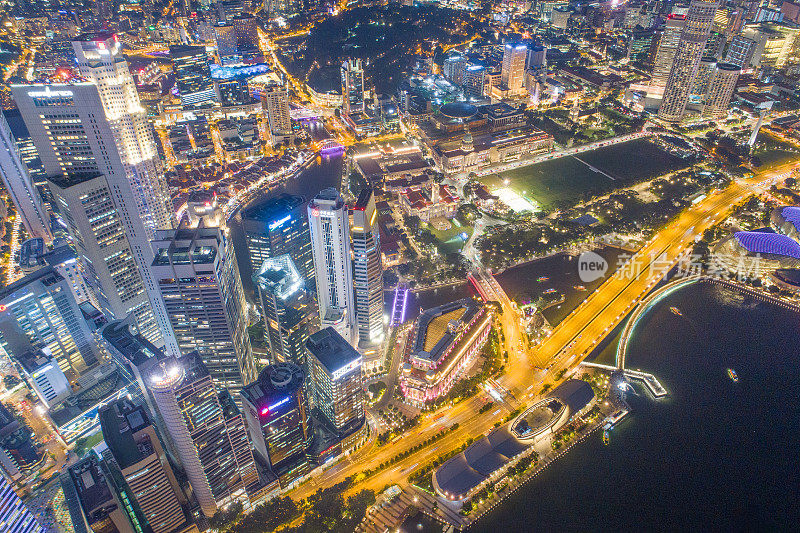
136, 449
94, 499
39, 312
367, 271
682, 76
275, 100
278, 420
203, 296
98, 152
665, 54
247, 41
289, 311
512, 74
20, 185
352, 86
14, 515
330, 246
192, 75
227, 49
276, 227
720, 89
207, 431
100, 61
335, 373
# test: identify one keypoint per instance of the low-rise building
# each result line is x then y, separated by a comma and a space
428, 202
443, 344
473, 154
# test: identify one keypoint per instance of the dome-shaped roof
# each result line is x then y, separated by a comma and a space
458, 110
758, 242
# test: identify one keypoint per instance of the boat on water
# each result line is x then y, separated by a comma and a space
579, 287
676, 311
549, 291
605, 437
542, 279
733, 375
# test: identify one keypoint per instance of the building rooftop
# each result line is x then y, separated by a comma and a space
274, 383
363, 199
47, 276
92, 488
272, 209
574, 393
134, 347
330, 349
119, 422
461, 473
438, 327
762, 242
279, 276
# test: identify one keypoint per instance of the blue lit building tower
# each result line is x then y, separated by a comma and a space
276, 227
14, 515
277, 415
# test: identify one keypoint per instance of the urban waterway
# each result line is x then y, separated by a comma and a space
714, 455
324, 173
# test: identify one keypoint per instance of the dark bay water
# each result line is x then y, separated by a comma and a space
522, 284
714, 455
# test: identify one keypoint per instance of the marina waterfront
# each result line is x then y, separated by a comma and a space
702, 457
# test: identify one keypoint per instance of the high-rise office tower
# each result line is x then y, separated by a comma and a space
476, 81
94, 501
99, 155
704, 73
665, 54
278, 420
100, 61
275, 100
330, 247
199, 282
367, 270
352, 86
135, 359
27, 152
247, 41
512, 74
227, 48
536, 60
289, 311
687, 59
39, 312
276, 227
134, 445
192, 75
207, 431
96, 226
21, 187
721, 85
763, 45
335, 373
14, 515
454, 67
